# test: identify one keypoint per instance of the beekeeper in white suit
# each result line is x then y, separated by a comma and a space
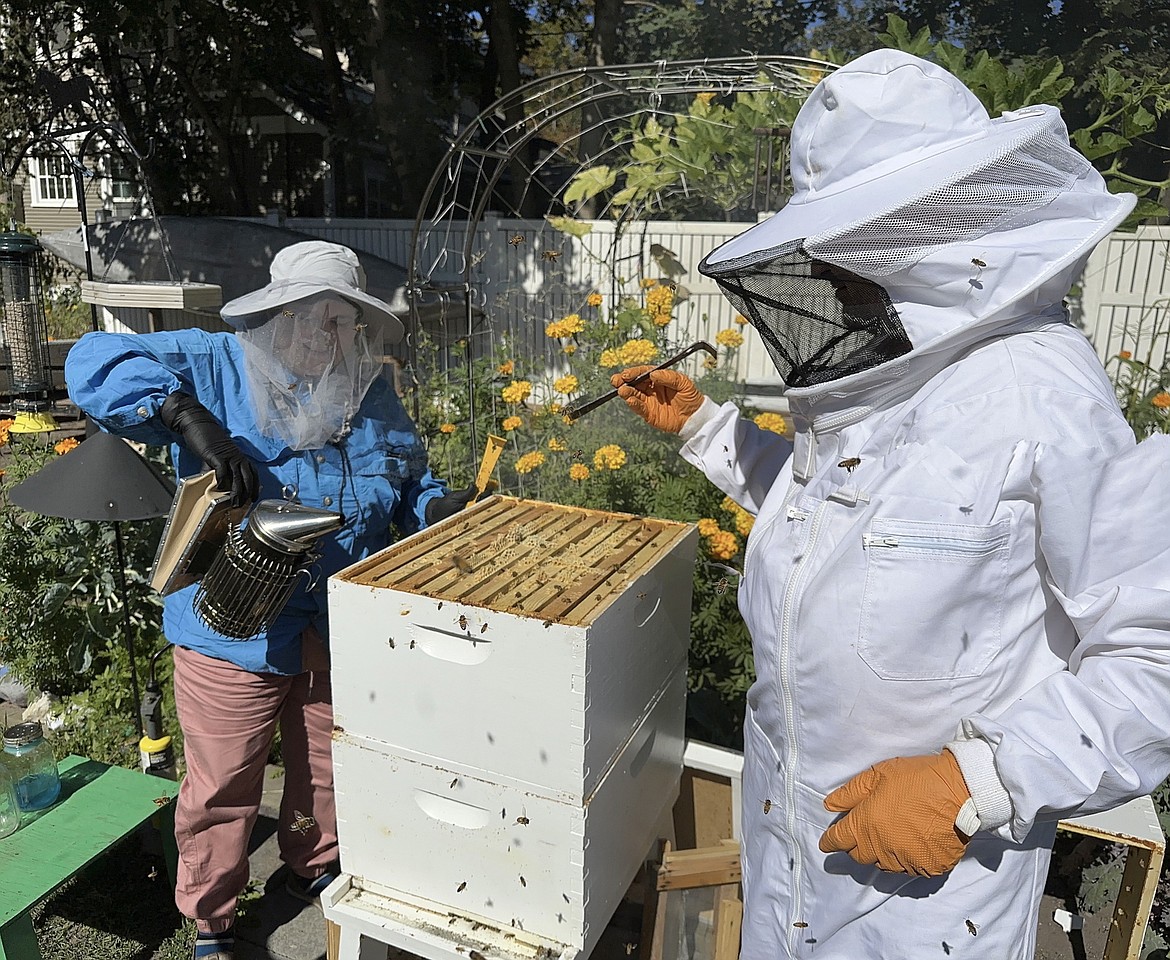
958, 582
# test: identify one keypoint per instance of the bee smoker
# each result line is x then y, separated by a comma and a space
255, 571
155, 749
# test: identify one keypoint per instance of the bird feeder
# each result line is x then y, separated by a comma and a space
155, 294
25, 331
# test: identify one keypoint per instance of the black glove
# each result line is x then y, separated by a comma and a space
449, 504
201, 432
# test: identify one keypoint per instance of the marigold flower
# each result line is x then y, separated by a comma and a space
570, 348
566, 384
633, 352
567, 421
660, 319
742, 519
529, 461
594, 299
516, 392
555, 407
770, 421
740, 319
729, 338
609, 358
446, 428
1161, 400
5, 426
506, 368
511, 423
659, 299
723, 545
578, 472
565, 327
609, 457
64, 446
1124, 355
649, 282
708, 527
556, 444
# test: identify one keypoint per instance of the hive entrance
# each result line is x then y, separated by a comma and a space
525, 557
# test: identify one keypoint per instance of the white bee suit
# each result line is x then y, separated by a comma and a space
993, 574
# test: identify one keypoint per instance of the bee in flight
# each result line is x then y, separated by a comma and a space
523, 821
767, 806
461, 887
516, 239
301, 824
849, 463
552, 256
462, 622
972, 927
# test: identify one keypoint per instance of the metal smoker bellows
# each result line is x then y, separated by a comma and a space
254, 573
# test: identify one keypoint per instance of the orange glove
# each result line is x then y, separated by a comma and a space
664, 399
901, 815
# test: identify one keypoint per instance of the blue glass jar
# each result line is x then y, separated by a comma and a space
32, 765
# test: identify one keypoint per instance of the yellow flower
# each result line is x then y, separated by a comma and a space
729, 338
578, 472
1161, 400
516, 392
609, 358
556, 445
770, 421
633, 352
5, 426
570, 348
705, 97
740, 319
659, 300
446, 428
743, 520
64, 446
708, 527
722, 545
660, 319
1124, 355
648, 283
529, 462
506, 368
555, 330
565, 327
609, 457
555, 407
511, 423
566, 384
567, 421
594, 299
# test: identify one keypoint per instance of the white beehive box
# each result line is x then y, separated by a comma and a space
509, 691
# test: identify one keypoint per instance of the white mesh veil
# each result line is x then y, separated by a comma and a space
308, 368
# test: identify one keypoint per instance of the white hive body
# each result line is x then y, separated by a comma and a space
509, 696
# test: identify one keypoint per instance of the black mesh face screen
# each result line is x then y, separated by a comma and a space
819, 321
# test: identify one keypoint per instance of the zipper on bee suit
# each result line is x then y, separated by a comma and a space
965, 548
788, 613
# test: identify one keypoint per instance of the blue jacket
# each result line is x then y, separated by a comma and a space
376, 476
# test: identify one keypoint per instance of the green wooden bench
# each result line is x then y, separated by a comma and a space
98, 806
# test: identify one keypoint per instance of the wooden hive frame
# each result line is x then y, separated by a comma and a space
542, 560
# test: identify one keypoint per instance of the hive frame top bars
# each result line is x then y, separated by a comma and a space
534, 559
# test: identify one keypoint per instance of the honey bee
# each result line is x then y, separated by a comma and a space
302, 824
523, 821
721, 586
516, 239
478, 258
849, 463
976, 262
641, 596
483, 628
523, 882
972, 927
767, 806
799, 924
440, 606
462, 621
390, 640
552, 256
451, 785
547, 624
161, 801
452, 920
153, 874
461, 887
578, 455
412, 644
461, 563
566, 897
630, 948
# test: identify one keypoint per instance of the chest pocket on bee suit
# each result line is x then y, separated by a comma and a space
932, 607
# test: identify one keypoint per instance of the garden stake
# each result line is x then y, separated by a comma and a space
582, 408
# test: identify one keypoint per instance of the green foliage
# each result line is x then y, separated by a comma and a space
609, 459
1143, 386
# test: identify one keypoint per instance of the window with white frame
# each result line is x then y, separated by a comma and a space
122, 176
52, 179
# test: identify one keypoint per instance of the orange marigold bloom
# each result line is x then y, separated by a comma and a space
648, 283
1161, 400
1124, 355
708, 527
446, 428
578, 472
506, 368
529, 462
64, 446
511, 423
594, 299
723, 545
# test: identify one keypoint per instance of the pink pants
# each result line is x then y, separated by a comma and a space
228, 717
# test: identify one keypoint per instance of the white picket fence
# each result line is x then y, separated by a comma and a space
520, 284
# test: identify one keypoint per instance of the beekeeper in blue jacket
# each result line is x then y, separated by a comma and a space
293, 404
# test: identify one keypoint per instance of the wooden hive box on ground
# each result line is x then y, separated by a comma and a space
509, 691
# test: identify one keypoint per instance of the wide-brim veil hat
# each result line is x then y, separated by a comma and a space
307, 269
889, 129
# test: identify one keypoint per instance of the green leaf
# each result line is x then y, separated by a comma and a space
570, 226
589, 183
54, 599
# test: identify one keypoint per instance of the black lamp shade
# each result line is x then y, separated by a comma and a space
100, 479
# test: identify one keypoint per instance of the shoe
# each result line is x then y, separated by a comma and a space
221, 948
310, 889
